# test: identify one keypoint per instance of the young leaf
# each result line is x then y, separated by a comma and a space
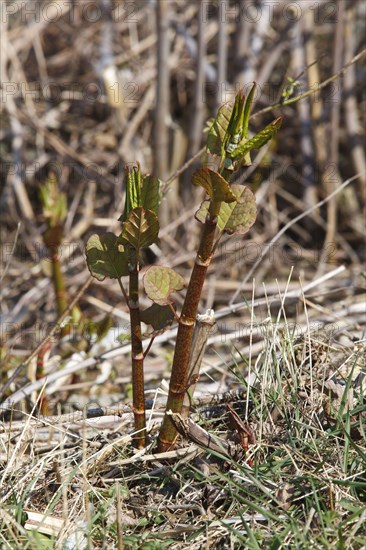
240, 218
160, 282
230, 125
234, 132
259, 139
54, 205
141, 229
105, 258
234, 217
159, 317
248, 105
217, 132
150, 193
133, 190
247, 161
214, 184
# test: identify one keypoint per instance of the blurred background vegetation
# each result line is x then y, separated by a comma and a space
89, 86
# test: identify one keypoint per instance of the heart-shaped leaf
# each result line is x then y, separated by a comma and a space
140, 230
235, 217
105, 258
214, 184
160, 282
159, 317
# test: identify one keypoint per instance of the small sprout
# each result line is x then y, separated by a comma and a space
54, 205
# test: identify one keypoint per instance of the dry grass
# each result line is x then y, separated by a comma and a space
290, 346
300, 483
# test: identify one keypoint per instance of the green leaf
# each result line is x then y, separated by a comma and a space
159, 317
259, 139
140, 191
54, 204
234, 131
247, 161
228, 134
160, 282
217, 132
235, 217
105, 258
140, 230
133, 190
214, 184
231, 124
248, 105
150, 193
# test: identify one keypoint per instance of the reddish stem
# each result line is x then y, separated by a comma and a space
179, 377
137, 360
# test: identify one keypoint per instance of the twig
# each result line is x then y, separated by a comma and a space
182, 169
330, 183
221, 53
11, 252
53, 331
193, 432
270, 108
197, 120
304, 114
316, 90
285, 228
350, 102
162, 93
203, 400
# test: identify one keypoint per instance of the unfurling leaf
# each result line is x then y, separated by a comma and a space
140, 230
159, 317
217, 132
133, 190
247, 107
105, 258
234, 132
160, 282
228, 135
214, 184
230, 126
140, 191
54, 205
259, 139
234, 217
150, 193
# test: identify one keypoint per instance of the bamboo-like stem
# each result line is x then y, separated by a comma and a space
203, 328
137, 353
179, 377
